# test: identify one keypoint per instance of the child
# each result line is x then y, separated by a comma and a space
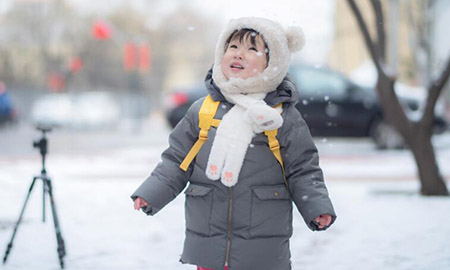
264, 160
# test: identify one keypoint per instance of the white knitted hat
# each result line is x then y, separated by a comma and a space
281, 43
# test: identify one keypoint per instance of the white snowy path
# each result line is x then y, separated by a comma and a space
382, 222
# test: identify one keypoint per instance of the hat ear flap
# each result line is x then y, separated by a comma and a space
296, 38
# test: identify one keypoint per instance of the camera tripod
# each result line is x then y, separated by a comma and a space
47, 189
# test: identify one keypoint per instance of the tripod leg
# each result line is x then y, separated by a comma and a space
60, 241
43, 200
10, 244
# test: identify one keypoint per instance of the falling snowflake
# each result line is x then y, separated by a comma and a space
332, 110
305, 102
275, 68
190, 28
224, 106
252, 145
259, 53
326, 98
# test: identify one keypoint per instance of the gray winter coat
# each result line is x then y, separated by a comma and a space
247, 226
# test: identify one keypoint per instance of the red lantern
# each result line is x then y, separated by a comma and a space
144, 58
55, 82
129, 56
136, 57
101, 31
75, 64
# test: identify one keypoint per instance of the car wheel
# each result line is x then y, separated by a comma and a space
385, 136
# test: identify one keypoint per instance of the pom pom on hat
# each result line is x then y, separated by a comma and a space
296, 38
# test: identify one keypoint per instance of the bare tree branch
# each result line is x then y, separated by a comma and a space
369, 43
379, 21
434, 91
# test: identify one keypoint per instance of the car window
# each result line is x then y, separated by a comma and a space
315, 82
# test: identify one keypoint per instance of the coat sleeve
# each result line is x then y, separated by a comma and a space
303, 173
167, 180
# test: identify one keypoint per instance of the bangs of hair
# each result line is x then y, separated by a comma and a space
247, 34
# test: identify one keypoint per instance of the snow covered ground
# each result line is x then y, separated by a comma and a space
382, 222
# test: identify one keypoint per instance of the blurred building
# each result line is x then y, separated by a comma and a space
416, 40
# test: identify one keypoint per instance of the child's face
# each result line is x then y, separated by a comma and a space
244, 60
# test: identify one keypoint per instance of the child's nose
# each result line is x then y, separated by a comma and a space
239, 54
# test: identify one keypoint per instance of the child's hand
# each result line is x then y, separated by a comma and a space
323, 220
139, 202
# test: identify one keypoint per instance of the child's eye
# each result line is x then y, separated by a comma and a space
253, 49
233, 46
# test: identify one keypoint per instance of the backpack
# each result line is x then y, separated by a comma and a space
206, 120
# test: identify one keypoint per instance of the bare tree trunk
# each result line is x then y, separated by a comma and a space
417, 135
432, 182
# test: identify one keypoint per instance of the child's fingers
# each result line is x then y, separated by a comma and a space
144, 202
318, 220
328, 220
137, 204
323, 221
321, 224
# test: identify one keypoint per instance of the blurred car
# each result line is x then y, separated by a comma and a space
86, 110
335, 106
331, 104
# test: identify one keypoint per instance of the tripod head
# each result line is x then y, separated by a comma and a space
44, 128
42, 144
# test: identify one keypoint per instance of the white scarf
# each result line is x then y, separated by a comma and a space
249, 116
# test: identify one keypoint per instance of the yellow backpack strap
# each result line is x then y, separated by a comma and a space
275, 147
205, 121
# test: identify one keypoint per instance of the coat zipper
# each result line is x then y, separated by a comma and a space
230, 209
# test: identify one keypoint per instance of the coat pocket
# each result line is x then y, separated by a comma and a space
271, 212
198, 207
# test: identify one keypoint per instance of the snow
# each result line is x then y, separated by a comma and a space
382, 222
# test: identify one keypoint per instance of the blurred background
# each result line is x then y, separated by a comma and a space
112, 77
111, 64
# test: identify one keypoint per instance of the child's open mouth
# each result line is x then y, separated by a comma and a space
235, 66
